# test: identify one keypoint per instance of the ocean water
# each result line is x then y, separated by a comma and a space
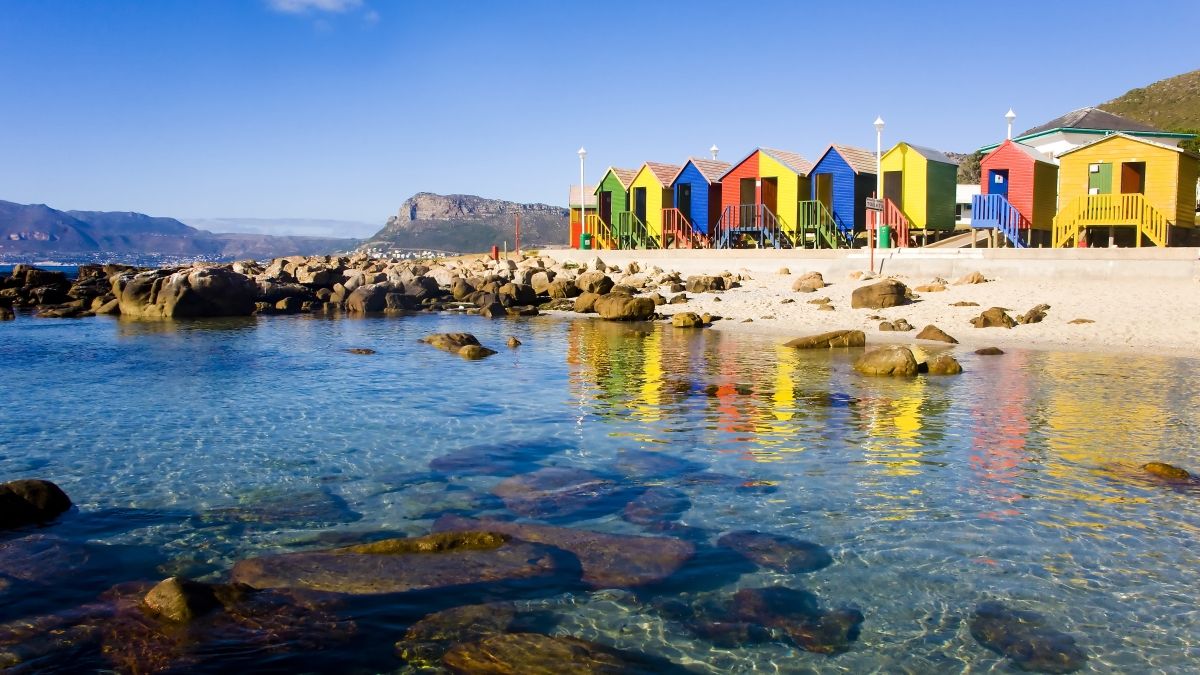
189, 446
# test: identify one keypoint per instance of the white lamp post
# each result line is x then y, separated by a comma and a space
714, 150
878, 185
582, 200
1010, 116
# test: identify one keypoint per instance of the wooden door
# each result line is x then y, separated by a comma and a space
825, 190
639, 203
684, 201
770, 194
1133, 178
606, 207
1100, 178
893, 187
998, 182
746, 192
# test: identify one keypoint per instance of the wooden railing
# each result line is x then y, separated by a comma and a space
996, 212
751, 223
679, 232
814, 222
599, 230
631, 232
1120, 210
894, 218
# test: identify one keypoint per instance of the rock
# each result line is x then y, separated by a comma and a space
537, 654
368, 298
586, 303
972, 278
964, 303
513, 343
288, 305
837, 338
797, 615
435, 561
783, 271
709, 318
515, 295
810, 282
995, 317
1034, 315
1166, 471
716, 299
656, 507
777, 552
624, 308
6, 314
181, 600
819, 301
687, 320
886, 293
362, 351
704, 284
561, 288
1080, 321
658, 299
930, 288
943, 364
30, 502
426, 641
493, 310
110, 307
622, 289
680, 299
608, 560
594, 282
641, 465
1026, 638
989, 351
497, 459
189, 293
901, 325
677, 288
463, 344
39, 559
826, 308
460, 289
475, 352
558, 492
932, 332
889, 360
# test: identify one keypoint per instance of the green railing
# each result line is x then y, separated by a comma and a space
815, 224
630, 232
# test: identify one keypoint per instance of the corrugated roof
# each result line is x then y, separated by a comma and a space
1091, 118
711, 169
860, 160
589, 198
1147, 141
662, 172
932, 155
792, 160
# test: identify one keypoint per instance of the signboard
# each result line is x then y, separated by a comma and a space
874, 204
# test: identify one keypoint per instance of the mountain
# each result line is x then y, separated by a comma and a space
1172, 104
303, 227
39, 230
468, 224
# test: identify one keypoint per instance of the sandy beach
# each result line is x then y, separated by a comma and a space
1130, 312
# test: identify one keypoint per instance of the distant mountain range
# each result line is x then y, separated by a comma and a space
38, 230
1172, 104
303, 227
468, 224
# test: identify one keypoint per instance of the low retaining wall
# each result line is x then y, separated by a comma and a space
1101, 264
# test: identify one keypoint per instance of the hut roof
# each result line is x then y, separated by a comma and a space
792, 160
1137, 139
1031, 151
624, 176
1091, 118
711, 169
663, 173
932, 155
860, 160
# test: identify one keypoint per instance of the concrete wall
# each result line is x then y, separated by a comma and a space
1103, 264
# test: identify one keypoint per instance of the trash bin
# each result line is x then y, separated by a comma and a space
885, 236
585, 241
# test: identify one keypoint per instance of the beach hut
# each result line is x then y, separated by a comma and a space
649, 193
612, 197
1018, 194
841, 181
580, 207
697, 188
918, 190
1122, 190
760, 198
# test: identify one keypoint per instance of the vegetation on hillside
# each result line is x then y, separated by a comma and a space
1172, 104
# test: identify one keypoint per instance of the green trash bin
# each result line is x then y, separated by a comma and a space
885, 236
585, 241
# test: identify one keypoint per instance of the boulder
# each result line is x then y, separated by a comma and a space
188, 293
30, 502
368, 298
460, 289
972, 278
704, 284
1027, 638
180, 600
426, 641
658, 299
889, 360
562, 288
900, 325
607, 560
558, 492
989, 351
6, 313
516, 295
594, 282
837, 338
538, 654
288, 305
475, 352
616, 307
995, 317
930, 288
462, 344
777, 552
942, 364
798, 616
494, 310
1167, 471
932, 332
586, 303
881, 294
809, 282
783, 271
435, 561
680, 299
1034, 315
687, 320
513, 343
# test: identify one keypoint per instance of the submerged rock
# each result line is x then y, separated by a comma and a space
426, 641
181, 600
537, 654
989, 351
463, 344
890, 360
361, 351
776, 613
777, 552
435, 561
1026, 638
30, 502
498, 459
40, 558
607, 560
1166, 471
886, 293
657, 507
557, 492
649, 464
837, 338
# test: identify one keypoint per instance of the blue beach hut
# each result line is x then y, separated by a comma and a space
697, 188
841, 180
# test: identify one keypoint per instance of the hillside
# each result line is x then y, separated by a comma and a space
466, 223
1172, 104
37, 229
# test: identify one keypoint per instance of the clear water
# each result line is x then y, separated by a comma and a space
1016, 481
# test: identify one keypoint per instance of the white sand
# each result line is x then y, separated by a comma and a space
1144, 315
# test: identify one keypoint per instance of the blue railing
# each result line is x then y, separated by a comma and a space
996, 212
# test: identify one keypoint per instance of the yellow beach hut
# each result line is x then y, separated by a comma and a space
650, 193
918, 190
1122, 190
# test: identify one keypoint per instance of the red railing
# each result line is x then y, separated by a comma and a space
894, 218
679, 233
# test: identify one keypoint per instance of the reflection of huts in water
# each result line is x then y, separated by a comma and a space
999, 428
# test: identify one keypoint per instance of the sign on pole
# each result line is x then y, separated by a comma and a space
874, 204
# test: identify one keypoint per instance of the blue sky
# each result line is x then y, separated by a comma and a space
343, 108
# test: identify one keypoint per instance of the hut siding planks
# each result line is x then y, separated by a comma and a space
1032, 185
731, 184
620, 197
654, 199
849, 198
791, 186
700, 197
928, 187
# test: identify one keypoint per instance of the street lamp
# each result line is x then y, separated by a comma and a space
1010, 116
714, 150
582, 201
878, 187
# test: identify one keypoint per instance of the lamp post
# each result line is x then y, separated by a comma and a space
878, 186
1010, 116
582, 200
714, 150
